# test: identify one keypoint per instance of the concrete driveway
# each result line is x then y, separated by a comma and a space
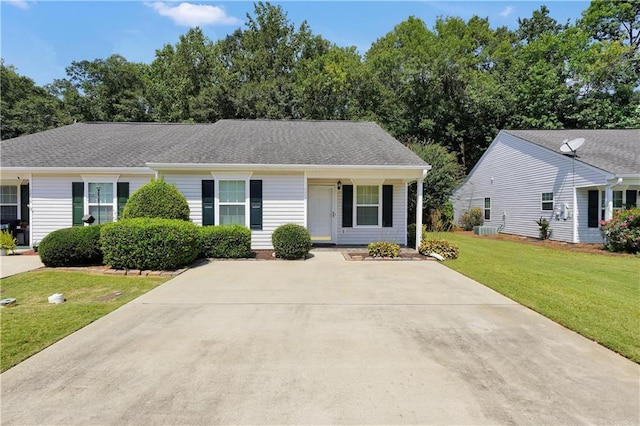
324, 341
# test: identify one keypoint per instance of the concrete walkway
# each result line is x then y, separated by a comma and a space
16, 264
323, 341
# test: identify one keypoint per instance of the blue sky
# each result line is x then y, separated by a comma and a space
41, 38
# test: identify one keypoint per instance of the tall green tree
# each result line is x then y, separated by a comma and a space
109, 89
25, 107
179, 78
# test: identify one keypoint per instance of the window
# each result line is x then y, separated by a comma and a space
100, 201
617, 200
547, 201
367, 205
603, 205
8, 202
487, 208
232, 202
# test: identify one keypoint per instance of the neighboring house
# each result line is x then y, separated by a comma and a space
345, 181
524, 176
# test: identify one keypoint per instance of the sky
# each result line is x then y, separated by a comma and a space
41, 38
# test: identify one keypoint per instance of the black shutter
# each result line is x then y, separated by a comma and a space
387, 206
255, 198
123, 196
632, 199
77, 199
208, 216
24, 203
592, 210
347, 206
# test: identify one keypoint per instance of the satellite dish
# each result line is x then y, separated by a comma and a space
571, 146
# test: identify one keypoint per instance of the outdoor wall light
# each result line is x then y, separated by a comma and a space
339, 185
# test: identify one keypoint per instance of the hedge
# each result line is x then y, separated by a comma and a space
225, 241
149, 244
76, 246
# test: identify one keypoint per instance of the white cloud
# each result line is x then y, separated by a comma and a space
22, 4
506, 12
192, 15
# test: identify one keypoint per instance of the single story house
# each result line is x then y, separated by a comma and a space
345, 181
525, 175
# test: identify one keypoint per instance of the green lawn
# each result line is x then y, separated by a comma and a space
33, 323
596, 295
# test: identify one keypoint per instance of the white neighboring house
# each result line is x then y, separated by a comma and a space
345, 181
524, 176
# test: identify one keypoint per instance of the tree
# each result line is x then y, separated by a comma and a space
26, 108
179, 79
441, 180
109, 89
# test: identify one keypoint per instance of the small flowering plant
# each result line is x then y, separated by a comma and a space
622, 232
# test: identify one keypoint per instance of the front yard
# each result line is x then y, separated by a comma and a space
596, 295
33, 323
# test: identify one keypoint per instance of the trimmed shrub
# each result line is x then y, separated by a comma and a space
291, 241
157, 199
149, 244
473, 217
75, 246
622, 232
225, 241
444, 248
383, 249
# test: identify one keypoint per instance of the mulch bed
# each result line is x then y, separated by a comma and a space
403, 256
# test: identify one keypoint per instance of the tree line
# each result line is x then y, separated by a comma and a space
454, 85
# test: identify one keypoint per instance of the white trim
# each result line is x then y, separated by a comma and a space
367, 182
75, 170
305, 207
232, 176
216, 199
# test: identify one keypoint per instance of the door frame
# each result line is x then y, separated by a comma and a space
334, 210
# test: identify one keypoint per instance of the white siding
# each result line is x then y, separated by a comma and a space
191, 187
283, 201
397, 233
514, 174
51, 206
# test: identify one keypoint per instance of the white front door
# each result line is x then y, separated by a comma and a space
321, 211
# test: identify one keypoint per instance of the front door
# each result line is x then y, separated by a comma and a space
321, 213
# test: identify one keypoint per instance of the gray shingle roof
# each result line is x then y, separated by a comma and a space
613, 150
224, 142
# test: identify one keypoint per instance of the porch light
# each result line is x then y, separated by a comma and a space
339, 185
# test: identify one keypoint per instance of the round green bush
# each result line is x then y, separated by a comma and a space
149, 244
622, 232
473, 217
291, 241
76, 246
157, 199
225, 241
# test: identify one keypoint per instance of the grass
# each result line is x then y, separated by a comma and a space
33, 323
595, 295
